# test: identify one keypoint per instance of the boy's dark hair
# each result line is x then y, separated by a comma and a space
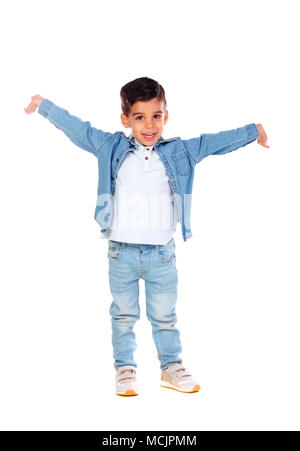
142, 89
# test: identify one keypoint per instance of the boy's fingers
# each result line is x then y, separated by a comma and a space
263, 142
30, 108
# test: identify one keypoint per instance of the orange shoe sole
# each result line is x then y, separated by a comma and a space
128, 393
196, 388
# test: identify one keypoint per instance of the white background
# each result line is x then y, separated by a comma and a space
223, 65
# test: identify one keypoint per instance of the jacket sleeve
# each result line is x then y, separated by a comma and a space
220, 143
80, 133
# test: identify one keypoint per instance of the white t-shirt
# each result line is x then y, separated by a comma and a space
143, 203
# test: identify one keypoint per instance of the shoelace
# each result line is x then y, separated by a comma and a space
126, 377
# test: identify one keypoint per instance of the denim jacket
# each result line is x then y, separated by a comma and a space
179, 157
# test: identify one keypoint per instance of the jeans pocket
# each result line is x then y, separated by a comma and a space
166, 252
114, 250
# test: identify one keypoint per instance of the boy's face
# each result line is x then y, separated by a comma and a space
146, 118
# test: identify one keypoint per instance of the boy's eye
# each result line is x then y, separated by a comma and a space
155, 115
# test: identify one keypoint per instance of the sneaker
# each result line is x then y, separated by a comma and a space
126, 383
177, 377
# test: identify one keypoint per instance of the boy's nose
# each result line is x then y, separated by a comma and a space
149, 124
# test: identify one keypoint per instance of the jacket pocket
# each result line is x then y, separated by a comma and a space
182, 162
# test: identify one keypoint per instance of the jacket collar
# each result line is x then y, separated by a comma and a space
131, 139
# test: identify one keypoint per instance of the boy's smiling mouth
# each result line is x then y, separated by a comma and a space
149, 137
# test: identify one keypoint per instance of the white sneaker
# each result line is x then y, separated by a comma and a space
126, 383
178, 377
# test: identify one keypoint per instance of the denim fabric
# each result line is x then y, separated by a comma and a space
156, 265
179, 157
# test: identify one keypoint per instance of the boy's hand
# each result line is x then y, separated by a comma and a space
34, 104
262, 140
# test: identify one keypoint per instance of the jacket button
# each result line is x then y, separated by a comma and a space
112, 178
117, 160
146, 158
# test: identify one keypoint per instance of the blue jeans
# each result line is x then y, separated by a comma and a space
156, 264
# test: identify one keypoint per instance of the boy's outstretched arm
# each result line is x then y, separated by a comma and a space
226, 141
79, 132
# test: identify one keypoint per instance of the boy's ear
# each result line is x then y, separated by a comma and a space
124, 120
166, 116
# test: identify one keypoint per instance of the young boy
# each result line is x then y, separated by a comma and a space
144, 189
